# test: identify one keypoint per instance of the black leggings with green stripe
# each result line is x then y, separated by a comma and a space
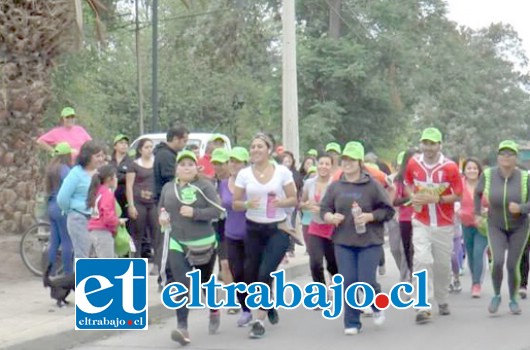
514, 241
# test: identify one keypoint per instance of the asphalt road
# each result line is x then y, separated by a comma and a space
468, 327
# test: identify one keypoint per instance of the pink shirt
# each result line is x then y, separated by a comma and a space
467, 208
318, 229
104, 216
76, 136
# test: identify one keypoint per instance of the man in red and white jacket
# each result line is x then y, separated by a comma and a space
434, 184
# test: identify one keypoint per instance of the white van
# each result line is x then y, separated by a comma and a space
199, 139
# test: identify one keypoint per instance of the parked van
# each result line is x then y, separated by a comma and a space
199, 139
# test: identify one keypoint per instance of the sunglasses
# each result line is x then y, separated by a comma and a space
507, 153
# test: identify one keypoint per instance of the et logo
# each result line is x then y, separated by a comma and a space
111, 294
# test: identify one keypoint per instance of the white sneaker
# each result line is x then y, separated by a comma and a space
367, 312
379, 318
351, 331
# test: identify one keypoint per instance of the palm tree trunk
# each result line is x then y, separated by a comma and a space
32, 35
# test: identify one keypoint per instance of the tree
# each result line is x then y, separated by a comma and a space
33, 34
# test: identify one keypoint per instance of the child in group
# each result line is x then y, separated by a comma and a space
104, 219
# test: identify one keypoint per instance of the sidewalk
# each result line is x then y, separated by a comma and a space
30, 319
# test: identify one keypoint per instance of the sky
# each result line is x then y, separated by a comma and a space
480, 13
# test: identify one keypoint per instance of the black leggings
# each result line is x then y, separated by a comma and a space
405, 227
524, 265
236, 260
265, 247
515, 242
145, 232
318, 249
179, 267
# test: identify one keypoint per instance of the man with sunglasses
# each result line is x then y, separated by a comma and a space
67, 131
506, 189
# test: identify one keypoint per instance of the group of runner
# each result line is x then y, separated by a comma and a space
241, 207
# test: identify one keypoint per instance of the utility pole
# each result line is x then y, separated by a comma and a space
138, 72
290, 135
154, 96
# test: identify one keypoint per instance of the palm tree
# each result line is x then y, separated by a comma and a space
33, 34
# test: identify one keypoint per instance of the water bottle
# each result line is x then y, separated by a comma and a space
271, 209
164, 216
356, 211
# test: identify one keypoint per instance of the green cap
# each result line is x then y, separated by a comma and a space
216, 137
240, 154
400, 156
354, 150
67, 111
120, 137
312, 152
431, 134
62, 148
509, 144
186, 154
220, 155
312, 169
333, 146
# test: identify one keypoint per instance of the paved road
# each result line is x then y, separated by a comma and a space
469, 327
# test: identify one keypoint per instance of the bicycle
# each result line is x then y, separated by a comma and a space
34, 246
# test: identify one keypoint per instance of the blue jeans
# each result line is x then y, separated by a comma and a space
475, 246
357, 265
59, 236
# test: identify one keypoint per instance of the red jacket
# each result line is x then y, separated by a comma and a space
205, 166
104, 215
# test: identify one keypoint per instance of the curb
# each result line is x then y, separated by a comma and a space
70, 338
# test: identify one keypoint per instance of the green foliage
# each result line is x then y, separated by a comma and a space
397, 67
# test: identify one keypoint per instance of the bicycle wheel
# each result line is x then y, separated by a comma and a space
34, 247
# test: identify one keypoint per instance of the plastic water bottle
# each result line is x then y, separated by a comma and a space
356, 211
164, 216
271, 209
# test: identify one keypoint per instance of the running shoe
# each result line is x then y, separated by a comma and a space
423, 316
257, 331
457, 286
494, 304
181, 336
443, 309
475, 291
351, 331
379, 318
515, 309
245, 319
215, 321
234, 311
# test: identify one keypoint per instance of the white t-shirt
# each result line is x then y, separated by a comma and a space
253, 189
